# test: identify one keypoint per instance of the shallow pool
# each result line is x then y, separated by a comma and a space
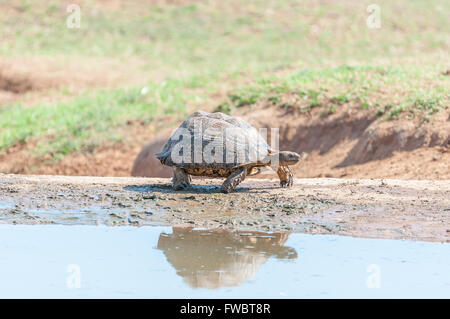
49, 261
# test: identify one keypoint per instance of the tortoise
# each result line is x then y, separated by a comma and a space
218, 145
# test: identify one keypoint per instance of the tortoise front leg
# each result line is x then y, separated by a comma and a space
181, 179
286, 176
234, 179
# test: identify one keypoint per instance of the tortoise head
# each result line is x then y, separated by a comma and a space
288, 158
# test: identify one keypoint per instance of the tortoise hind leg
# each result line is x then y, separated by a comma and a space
181, 180
286, 176
234, 179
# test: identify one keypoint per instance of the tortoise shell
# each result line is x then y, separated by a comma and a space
214, 144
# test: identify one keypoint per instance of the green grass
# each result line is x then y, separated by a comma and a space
91, 119
333, 55
396, 88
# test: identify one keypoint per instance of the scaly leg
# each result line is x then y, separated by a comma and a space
181, 179
234, 179
286, 176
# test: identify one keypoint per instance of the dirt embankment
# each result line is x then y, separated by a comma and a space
415, 210
349, 143
38, 79
48, 80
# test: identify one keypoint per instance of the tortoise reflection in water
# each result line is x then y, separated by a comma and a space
219, 258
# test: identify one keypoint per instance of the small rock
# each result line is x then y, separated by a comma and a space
15, 211
133, 222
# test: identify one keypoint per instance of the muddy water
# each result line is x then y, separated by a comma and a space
390, 209
163, 262
6, 205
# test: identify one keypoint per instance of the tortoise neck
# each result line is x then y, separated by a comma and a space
272, 159
282, 158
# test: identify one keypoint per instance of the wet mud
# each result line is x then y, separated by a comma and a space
414, 210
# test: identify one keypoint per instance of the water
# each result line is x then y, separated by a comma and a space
6, 205
49, 261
